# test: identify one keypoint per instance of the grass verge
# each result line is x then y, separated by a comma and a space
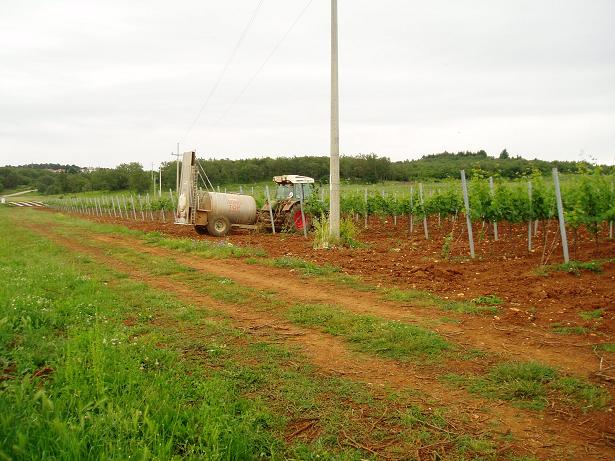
99, 365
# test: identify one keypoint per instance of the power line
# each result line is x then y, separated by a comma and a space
225, 68
262, 66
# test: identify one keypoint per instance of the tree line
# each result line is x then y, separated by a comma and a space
367, 168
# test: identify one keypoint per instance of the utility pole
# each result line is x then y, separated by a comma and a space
177, 171
160, 181
334, 167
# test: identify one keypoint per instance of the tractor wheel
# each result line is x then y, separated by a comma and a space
218, 226
295, 222
201, 230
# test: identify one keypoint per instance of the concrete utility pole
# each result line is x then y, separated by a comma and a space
334, 173
160, 181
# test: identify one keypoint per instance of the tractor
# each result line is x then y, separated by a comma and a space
287, 208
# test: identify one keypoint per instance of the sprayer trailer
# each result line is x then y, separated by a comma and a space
211, 212
216, 213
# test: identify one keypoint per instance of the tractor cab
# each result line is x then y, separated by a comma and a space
293, 187
286, 209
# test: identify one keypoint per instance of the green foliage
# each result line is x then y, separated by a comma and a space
321, 233
323, 240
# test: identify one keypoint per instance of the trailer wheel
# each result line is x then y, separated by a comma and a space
201, 230
219, 226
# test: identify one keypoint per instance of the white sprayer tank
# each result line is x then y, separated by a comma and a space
239, 209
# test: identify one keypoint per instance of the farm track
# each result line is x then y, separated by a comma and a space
478, 333
542, 434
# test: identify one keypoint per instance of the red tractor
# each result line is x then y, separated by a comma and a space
291, 194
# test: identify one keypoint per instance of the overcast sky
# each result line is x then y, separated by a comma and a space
98, 83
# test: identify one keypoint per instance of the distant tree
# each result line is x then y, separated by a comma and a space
133, 177
504, 155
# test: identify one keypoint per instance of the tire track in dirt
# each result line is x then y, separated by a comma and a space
522, 344
541, 434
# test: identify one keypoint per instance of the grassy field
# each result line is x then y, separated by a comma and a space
117, 344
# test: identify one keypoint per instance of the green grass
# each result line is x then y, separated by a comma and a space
607, 347
575, 267
487, 300
205, 248
420, 298
325, 272
304, 267
126, 371
596, 314
370, 334
532, 385
560, 329
80, 385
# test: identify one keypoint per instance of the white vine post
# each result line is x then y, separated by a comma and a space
125, 206
411, 208
149, 205
134, 209
529, 224
366, 208
119, 207
270, 210
302, 213
495, 222
560, 214
395, 212
113, 205
466, 201
173, 202
141, 208
611, 222
424, 214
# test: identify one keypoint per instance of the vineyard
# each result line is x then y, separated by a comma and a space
269, 348
588, 202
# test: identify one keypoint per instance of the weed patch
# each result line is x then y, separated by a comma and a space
575, 267
596, 314
426, 299
531, 385
560, 329
369, 334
